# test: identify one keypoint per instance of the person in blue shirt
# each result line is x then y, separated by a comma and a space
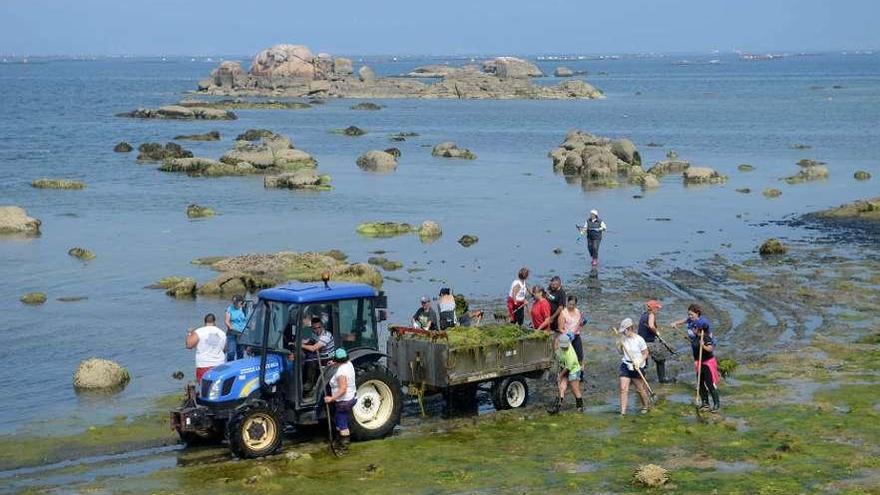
693, 320
235, 321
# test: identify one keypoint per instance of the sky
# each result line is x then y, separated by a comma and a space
451, 27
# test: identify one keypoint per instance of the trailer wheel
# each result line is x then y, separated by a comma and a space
254, 430
510, 393
379, 402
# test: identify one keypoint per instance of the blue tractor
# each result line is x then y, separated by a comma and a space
252, 402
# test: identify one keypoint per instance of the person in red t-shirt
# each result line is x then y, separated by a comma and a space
540, 309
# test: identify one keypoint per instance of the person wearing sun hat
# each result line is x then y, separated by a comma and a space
634, 354
648, 330
594, 227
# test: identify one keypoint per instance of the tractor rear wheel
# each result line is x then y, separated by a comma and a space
254, 430
379, 402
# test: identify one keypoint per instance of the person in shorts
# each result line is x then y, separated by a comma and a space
634, 356
570, 374
210, 345
342, 398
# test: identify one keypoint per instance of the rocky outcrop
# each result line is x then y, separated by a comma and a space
206, 167
208, 136
57, 184
351, 130
122, 147
292, 71
239, 103
366, 106
511, 67
385, 263
307, 179
745, 167
198, 211
451, 150
384, 229
648, 181
251, 272
810, 170
157, 152
178, 112
177, 287
861, 175
664, 167
864, 209
269, 152
468, 240
15, 220
81, 253
771, 193
563, 72
377, 161
598, 161
33, 298
702, 175
772, 247
395, 152
97, 374
429, 231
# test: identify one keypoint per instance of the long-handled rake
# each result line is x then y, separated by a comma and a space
327, 412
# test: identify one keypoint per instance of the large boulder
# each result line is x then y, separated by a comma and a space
808, 173
45, 183
511, 67
366, 74
383, 229
702, 175
626, 151
15, 220
229, 75
563, 72
284, 61
772, 247
306, 178
33, 298
180, 112
451, 150
271, 151
342, 66
377, 161
100, 374
157, 152
206, 167
198, 211
429, 230
664, 167
122, 147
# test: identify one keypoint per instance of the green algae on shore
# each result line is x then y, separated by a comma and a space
866, 209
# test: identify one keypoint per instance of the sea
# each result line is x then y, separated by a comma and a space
57, 119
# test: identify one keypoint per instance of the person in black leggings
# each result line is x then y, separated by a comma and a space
708, 366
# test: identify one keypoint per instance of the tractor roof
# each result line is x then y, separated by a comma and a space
306, 292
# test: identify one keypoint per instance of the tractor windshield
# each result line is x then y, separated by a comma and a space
278, 316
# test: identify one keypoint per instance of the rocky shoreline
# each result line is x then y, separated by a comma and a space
293, 71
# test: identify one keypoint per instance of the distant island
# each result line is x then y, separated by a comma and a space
293, 71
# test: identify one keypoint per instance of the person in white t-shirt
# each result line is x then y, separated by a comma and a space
633, 356
342, 397
210, 345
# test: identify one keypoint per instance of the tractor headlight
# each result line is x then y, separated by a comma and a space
214, 392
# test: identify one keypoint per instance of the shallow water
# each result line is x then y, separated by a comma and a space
57, 121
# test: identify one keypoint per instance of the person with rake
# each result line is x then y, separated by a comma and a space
634, 358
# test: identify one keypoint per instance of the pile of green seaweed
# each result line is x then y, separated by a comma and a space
504, 336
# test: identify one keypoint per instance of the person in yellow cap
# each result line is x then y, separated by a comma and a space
649, 331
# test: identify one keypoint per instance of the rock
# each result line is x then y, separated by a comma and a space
395, 152
807, 163
196, 211
301, 179
772, 193
57, 184
649, 181
284, 61
122, 147
563, 72
178, 375
671, 155
626, 151
81, 253
206, 167
468, 240
156, 152
342, 66
451, 150
429, 230
33, 298
239, 103
664, 167
744, 190
383, 229
772, 247
577, 89
257, 271
366, 74
255, 135
402, 136
353, 131
385, 263
228, 75
861, 175
800, 146
178, 112
71, 298
15, 220
745, 167
868, 209
702, 175
511, 67
377, 161
366, 106
807, 174
557, 251
270, 152
208, 136
433, 71
177, 287
651, 475
95, 374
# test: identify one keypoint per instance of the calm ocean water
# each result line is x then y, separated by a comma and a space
56, 120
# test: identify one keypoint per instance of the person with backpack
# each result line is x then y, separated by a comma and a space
593, 227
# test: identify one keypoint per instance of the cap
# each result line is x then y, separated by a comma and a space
625, 324
564, 341
426, 299
653, 305
594, 212
340, 355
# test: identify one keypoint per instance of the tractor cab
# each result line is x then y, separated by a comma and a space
285, 382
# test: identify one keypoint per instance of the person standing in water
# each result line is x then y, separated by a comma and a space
235, 321
516, 297
594, 227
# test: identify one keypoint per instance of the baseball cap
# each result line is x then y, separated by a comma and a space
625, 324
340, 354
425, 299
653, 304
564, 341
594, 212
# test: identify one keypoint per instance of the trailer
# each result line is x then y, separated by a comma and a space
426, 362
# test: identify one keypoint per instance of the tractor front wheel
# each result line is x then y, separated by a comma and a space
254, 430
